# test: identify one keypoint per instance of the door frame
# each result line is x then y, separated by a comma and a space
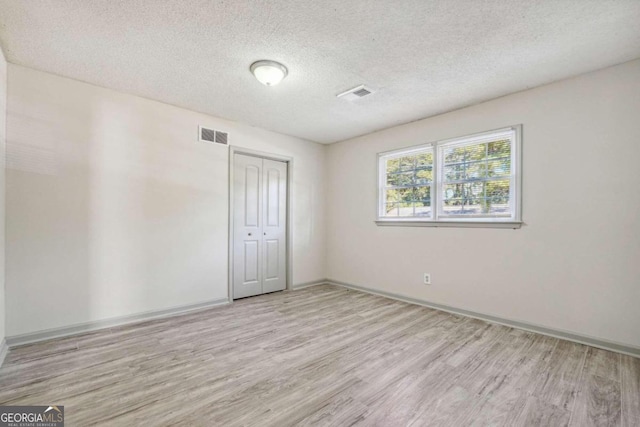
233, 150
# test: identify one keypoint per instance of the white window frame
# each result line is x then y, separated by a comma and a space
438, 218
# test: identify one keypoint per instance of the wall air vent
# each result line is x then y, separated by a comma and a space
355, 93
211, 135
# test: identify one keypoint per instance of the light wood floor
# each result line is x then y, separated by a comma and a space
323, 356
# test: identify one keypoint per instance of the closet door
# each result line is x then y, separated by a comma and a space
247, 224
274, 229
259, 226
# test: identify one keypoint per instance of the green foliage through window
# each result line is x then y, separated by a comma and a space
408, 185
476, 178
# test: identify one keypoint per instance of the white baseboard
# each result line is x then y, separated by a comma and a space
65, 331
307, 284
4, 350
544, 330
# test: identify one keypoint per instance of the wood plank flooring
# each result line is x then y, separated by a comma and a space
324, 355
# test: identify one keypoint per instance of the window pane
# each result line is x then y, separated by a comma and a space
476, 152
497, 149
407, 163
422, 194
406, 194
400, 179
499, 167
393, 165
424, 160
423, 176
477, 198
454, 172
499, 158
392, 196
422, 203
499, 206
477, 161
476, 169
400, 195
408, 182
498, 190
454, 154
422, 211
476, 179
405, 208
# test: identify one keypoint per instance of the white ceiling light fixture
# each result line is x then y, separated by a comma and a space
269, 73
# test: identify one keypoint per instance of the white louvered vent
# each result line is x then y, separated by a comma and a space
356, 93
212, 135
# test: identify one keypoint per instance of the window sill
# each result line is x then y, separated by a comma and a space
460, 224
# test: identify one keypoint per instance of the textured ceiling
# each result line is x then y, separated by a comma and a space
422, 57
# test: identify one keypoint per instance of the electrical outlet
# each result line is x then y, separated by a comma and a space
427, 278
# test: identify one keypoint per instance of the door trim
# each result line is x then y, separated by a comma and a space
233, 150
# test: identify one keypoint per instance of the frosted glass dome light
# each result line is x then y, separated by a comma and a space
269, 73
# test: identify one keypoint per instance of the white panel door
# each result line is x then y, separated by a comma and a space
274, 229
259, 223
247, 224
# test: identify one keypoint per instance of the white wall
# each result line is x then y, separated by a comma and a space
3, 122
113, 208
574, 265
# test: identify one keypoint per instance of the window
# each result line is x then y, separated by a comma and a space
469, 180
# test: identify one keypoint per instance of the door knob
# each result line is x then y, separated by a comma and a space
249, 234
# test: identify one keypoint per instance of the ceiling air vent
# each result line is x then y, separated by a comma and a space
211, 135
355, 93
